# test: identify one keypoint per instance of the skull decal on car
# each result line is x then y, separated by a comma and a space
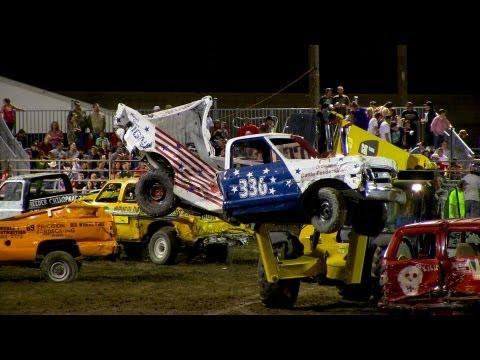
409, 279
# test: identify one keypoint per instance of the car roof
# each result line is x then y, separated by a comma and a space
36, 175
122, 180
446, 223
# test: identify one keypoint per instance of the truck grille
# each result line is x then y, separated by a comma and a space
382, 176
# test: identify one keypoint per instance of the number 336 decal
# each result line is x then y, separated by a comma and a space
251, 187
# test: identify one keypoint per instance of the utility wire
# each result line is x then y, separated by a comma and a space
278, 92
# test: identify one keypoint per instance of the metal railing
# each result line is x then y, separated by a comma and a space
76, 172
39, 121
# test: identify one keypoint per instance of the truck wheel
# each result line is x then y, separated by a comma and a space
330, 213
154, 193
59, 266
370, 287
281, 295
163, 246
369, 218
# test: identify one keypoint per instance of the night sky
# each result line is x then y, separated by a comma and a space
239, 56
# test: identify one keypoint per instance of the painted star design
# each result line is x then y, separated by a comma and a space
236, 172
298, 171
181, 167
118, 119
179, 146
289, 183
164, 147
234, 189
272, 179
356, 166
271, 191
266, 171
250, 174
199, 172
147, 129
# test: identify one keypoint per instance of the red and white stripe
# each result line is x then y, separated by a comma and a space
187, 177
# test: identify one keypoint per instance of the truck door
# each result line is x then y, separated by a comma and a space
462, 264
128, 218
258, 179
11, 199
412, 269
109, 198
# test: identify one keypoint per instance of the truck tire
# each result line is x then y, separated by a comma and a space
163, 246
154, 193
59, 266
370, 287
331, 212
369, 217
282, 294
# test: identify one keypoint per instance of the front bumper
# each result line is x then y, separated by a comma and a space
385, 193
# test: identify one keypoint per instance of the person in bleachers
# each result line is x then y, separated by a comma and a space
56, 135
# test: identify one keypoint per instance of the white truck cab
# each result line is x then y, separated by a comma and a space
34, 191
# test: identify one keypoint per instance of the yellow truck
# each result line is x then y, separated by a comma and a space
57, 239
348, 260
164, 237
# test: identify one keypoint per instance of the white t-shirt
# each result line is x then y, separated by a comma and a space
472, 187
385, 130
373, 126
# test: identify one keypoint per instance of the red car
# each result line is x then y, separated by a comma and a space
433, 264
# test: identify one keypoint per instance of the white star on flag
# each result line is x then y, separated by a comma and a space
272, 179
236, 172
271, 191
266, 171
234, 189
289, 182
250, 174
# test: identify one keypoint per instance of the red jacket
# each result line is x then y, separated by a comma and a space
248, 127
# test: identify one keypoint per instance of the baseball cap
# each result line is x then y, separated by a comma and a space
409, 103
156, 108
428, 103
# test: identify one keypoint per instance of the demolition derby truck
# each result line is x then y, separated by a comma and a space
57, 239
263, 178
24, 193
163, 237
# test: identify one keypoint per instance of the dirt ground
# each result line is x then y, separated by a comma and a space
142, 288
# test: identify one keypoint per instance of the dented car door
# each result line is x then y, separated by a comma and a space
411, 268
462, 262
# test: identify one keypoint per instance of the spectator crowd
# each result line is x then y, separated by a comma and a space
91, 156
84, 150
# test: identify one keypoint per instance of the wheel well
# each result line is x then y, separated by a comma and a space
157, 161
309, 196
153, 227
69, 246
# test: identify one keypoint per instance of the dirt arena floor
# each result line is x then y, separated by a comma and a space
142, 288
